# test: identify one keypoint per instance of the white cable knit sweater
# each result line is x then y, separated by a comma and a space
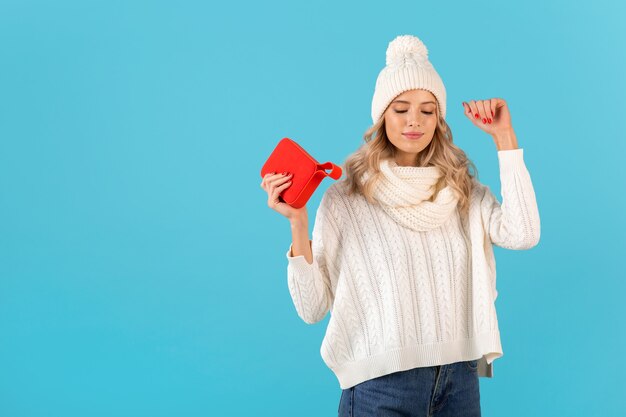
401, 299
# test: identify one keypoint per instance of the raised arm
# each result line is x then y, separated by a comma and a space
515, 223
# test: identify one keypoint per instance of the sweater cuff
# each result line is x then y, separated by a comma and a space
299, 263
511, 158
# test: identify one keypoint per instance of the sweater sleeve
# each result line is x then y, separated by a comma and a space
515, 223
309, 284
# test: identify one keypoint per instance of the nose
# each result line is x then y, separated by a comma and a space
414, 119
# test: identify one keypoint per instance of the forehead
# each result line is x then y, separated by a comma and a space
417, 95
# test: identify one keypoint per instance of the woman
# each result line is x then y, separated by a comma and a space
401, 251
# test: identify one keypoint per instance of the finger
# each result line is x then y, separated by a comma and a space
499, 104
274, 183
276, 192
269, 178
481, 110
475, 115
272, 175
280, 188
266, 177
279, 179
492, 105
468, 110
273, 202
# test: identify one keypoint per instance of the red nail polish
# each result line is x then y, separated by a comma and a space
476, 115
484, 120
489, 120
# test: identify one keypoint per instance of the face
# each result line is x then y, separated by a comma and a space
411, 111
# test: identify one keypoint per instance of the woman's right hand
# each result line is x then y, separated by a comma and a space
275, 184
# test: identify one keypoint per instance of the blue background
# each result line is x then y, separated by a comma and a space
142, 272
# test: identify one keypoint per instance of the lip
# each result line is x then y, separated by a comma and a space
413, 135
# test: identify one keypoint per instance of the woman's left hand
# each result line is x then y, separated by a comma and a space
491, 115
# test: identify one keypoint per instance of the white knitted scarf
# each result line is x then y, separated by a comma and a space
403, 192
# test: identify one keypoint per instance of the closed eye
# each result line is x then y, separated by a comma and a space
404, 111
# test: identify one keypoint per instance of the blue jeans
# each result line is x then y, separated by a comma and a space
441, 391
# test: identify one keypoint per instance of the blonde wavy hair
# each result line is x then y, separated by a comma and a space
440, 152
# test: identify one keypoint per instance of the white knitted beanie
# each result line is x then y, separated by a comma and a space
407, 68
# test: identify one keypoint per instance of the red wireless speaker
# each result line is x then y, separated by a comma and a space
306, 172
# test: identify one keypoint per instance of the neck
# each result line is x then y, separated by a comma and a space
406, 162
405, 159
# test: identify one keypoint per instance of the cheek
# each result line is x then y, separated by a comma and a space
394, 124
432, 124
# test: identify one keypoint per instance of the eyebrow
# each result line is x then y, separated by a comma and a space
408, 102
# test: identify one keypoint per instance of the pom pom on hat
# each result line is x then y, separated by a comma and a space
405, 46
407, 68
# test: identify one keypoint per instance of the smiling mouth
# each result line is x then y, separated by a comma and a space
412, 136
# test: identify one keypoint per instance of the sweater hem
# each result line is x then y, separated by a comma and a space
485, 348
